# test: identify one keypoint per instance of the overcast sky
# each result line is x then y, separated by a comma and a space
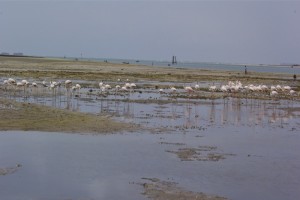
218, 31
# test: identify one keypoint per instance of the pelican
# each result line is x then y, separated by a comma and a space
52, 86
117, 87
107, 86
132, 85
273, 93
12, 81
292, 92
25, 82
74, 88
127, 85
173, 89
273, 88
78, 87
124, 88
5, 83
214, 88
278, 88
287, 87
188, 89
264, 88
44, 83
68, 83
224, 88
20, 84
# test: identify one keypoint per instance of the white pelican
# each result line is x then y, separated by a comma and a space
292, 92
68, 83
273, 93
78, 87
212, 88
188, 89
173, 89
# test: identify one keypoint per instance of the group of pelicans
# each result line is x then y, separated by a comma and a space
237, 86
13, 84
68, 84
231, 87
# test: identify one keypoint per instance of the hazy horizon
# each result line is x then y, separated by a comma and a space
258, 32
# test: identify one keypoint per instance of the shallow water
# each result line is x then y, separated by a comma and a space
265, 165
259, 139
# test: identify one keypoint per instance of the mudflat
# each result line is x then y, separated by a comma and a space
31, 117
54, 68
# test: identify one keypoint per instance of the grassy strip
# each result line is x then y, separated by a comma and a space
26, 116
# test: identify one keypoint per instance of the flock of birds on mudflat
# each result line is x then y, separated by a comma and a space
237, 87
233, 87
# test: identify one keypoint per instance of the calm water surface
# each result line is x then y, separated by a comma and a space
62, 166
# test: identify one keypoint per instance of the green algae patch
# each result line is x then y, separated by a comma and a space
31, 117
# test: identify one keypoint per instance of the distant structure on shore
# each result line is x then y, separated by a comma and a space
174, 61
14, 54
18, 54
4, 54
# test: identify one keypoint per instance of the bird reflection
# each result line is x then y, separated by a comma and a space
212, 113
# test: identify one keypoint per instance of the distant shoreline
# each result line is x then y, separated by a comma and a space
180, 64
239, 68
137, 61
21, 56
47, 67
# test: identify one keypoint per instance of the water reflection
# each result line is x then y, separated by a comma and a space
178, 114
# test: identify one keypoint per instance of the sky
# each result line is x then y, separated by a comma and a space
258, 32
